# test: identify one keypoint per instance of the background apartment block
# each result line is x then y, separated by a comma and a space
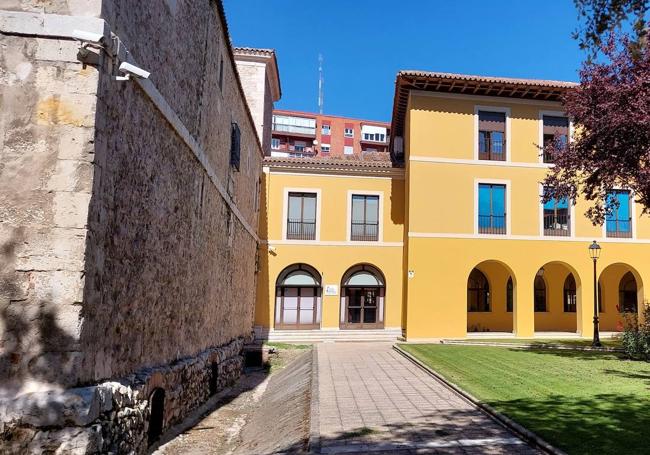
128, 218
303, 134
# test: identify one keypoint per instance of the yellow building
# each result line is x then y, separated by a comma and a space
449, 239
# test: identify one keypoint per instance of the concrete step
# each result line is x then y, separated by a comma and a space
314, 336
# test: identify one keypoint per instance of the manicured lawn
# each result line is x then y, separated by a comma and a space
579, 342
581, 402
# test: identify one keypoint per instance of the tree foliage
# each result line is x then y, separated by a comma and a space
610, 109
611, 148
604, 18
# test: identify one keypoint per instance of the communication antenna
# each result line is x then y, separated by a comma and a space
320, 83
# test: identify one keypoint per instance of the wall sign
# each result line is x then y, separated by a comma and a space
331, 289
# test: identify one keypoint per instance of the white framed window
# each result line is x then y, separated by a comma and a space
348, 132
299, 146
275, 143
376, 137
325, 130
348, 150
301, 214
365, 216
325, 148
552, 125
492, 133
492, 205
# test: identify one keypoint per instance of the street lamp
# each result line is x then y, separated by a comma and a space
594, 253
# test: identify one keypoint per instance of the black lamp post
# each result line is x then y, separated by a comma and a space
594, 253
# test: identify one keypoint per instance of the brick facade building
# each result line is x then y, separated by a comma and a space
303, 134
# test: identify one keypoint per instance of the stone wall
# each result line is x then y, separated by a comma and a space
124, 257
114, 416
46, 167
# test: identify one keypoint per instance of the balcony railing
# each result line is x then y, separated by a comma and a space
621, 229
492, 224
283, 127
557, 225
365, 232
301, 230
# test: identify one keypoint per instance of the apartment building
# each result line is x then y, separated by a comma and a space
302, 134
450, 237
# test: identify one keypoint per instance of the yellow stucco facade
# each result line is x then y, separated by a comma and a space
430, 239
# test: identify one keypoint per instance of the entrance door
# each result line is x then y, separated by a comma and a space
362, 307
298, 309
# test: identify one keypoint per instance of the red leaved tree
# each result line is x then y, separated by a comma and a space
611, 148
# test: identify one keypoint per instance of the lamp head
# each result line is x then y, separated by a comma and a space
594, 250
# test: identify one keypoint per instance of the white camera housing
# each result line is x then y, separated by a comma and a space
88, 37
132, 70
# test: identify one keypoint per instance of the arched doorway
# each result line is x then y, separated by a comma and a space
621, 291
298, 298
490, 298
362, 298
556, 298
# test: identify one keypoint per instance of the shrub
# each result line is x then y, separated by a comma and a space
636, 336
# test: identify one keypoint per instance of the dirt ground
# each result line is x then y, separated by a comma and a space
266, 412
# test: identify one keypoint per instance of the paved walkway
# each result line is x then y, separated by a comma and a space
373, 400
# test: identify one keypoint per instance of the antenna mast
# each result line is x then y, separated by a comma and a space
320, 83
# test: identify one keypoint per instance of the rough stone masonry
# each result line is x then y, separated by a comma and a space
128, 218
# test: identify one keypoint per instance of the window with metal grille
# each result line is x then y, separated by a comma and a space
491, 136
539, 293
301, 219
618, 220
365, 218
478, 292
556, 129
557, 220
491, 209
235, 146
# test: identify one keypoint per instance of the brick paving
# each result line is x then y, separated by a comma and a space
373, 400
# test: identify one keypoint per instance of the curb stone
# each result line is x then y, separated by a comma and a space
508, 423
314, 416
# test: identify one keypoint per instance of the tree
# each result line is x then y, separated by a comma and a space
610, 110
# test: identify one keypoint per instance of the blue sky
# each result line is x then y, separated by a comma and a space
364, 43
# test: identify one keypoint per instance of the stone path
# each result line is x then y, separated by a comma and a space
373, 400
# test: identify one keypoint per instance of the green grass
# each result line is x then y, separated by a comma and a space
582, 402
609, 342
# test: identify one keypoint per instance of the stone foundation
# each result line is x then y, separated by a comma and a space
114, 417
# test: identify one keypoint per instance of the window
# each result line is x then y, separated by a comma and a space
491, 136
618, 221
348, 132
325, 130
221, 74
301, 219
299, 146
555, 128
540, 293
291, 124
627, 294
325, 148
365, 218
235, 146
491, 209
275, 143
377, 137
348, 150
570, 299
509, 295
557, 217
478, 292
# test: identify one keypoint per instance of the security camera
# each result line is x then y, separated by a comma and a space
88, 37
132, 70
